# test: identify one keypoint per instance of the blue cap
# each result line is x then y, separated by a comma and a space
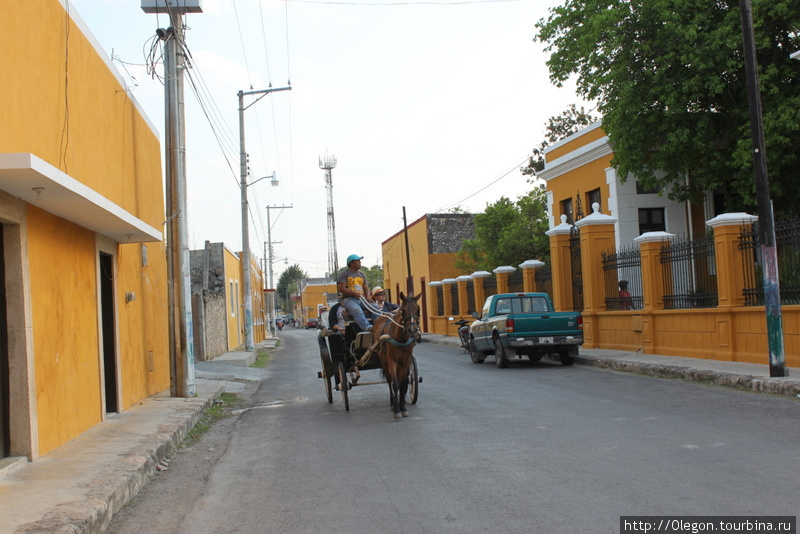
353, 257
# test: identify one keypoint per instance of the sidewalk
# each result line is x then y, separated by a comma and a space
80, 485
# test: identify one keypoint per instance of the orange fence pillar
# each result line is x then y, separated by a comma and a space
464, 305
480, 292
529, 274
653, 276
730, 275
502, 277
652, 270
597, 236
447, 294
561, 264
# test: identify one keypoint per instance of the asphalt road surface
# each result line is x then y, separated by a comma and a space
534, 448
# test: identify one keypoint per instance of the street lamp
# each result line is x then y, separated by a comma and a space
270, 261
248, 294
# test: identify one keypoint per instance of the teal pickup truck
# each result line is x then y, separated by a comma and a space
524, 324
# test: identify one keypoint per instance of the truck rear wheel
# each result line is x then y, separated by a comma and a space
500, 356
567, 356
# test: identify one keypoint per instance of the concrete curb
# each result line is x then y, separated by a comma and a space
776, 386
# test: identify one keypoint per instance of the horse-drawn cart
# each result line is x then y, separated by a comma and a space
345, 355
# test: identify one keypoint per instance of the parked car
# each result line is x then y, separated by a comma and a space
312, 323
524, 324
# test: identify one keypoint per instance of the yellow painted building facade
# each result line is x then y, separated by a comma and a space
315, 294
433, 243
81, 206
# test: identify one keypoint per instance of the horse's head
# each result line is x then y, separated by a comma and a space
409, 314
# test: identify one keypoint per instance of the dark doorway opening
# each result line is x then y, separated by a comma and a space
109, 333
5, 400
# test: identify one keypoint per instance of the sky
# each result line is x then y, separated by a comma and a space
426, 106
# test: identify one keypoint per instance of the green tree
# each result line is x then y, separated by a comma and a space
668, 78
508, 233
287, 283
558, 127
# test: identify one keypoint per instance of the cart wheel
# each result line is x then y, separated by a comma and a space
327, 367
413, 381
343, 386
328, 388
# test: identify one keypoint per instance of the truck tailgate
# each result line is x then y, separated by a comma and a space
546, 324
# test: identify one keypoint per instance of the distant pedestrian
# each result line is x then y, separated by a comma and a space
625, 301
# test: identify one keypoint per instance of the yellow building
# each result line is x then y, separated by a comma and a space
83, 326
218, 301
433, 244
578, 174
315, 294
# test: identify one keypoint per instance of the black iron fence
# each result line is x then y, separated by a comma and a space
543, 280
454, 297
489, 286
516, 282
439, 300
577, 269
787, 243
690, 274
470, 297
622, 273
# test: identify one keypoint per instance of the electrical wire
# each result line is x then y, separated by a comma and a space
509, 171
411, 3
244, 49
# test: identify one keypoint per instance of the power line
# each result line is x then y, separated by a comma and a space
509, 171
411, 3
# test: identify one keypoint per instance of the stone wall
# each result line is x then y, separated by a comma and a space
446, 231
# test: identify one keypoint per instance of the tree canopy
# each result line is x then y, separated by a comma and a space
508, 233
668, 77
558, 127
287, 280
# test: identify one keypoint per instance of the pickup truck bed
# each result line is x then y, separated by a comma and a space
524, 324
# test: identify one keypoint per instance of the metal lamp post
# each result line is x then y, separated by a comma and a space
248, 294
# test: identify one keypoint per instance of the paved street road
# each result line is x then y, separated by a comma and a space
535, 448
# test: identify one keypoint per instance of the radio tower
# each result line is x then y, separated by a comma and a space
328, 163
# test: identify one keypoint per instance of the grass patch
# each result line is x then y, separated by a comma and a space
219, 408
262, 359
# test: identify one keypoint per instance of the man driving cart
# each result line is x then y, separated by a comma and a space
352, 286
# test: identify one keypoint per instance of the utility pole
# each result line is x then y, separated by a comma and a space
271, 308
410, 279
182, 373
766, 221
328, 163
245, 259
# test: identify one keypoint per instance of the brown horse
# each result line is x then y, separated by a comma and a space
399, 335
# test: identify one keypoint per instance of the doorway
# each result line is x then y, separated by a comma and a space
5, 401
108, 331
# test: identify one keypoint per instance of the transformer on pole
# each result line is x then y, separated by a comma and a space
327, 164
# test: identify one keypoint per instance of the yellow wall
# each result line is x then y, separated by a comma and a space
582, 140
583, 179
395, 264
233, 304
63, 281
60, 101
314, 296
143, 335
